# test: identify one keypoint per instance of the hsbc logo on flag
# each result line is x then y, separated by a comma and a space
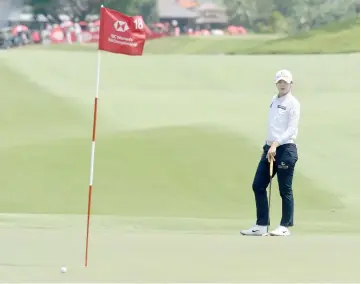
121, 26
118, 34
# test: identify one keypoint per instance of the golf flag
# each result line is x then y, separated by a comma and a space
119, 34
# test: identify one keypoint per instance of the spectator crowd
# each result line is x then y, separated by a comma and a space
82, 32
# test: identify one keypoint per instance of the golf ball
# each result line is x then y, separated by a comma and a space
63, 269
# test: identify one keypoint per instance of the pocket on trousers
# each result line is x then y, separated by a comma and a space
292, 155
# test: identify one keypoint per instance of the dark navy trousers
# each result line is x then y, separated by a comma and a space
286, 159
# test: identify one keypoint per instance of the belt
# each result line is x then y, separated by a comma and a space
269, 143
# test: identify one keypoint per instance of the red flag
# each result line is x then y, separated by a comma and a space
120, 33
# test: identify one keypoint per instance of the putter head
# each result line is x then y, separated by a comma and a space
265, 235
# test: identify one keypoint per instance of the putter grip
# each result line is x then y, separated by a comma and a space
271, 168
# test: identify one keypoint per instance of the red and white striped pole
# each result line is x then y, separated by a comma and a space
92, 160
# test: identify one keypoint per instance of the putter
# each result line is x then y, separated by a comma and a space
269, 195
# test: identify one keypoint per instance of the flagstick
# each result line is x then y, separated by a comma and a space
92, 159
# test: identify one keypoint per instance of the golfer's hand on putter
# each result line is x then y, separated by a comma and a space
272, 152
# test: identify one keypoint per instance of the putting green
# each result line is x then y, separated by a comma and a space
127, 250
179, 138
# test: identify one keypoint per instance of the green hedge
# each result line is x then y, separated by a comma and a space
338, 37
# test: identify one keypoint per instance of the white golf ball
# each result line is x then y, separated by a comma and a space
63, 269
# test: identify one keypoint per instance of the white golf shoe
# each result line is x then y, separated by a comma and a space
255, 231
280, 231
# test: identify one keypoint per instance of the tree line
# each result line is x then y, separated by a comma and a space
80, 9
264, 16
288, 16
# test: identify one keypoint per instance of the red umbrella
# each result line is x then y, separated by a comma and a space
66, 24
19, 29
233, 30
242, 30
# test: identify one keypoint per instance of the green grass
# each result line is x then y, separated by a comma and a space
206, 45
339, 37
187, 137
178, 142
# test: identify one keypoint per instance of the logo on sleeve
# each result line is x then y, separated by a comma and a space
282, 107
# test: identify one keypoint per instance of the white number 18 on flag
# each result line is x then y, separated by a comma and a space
138, 24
